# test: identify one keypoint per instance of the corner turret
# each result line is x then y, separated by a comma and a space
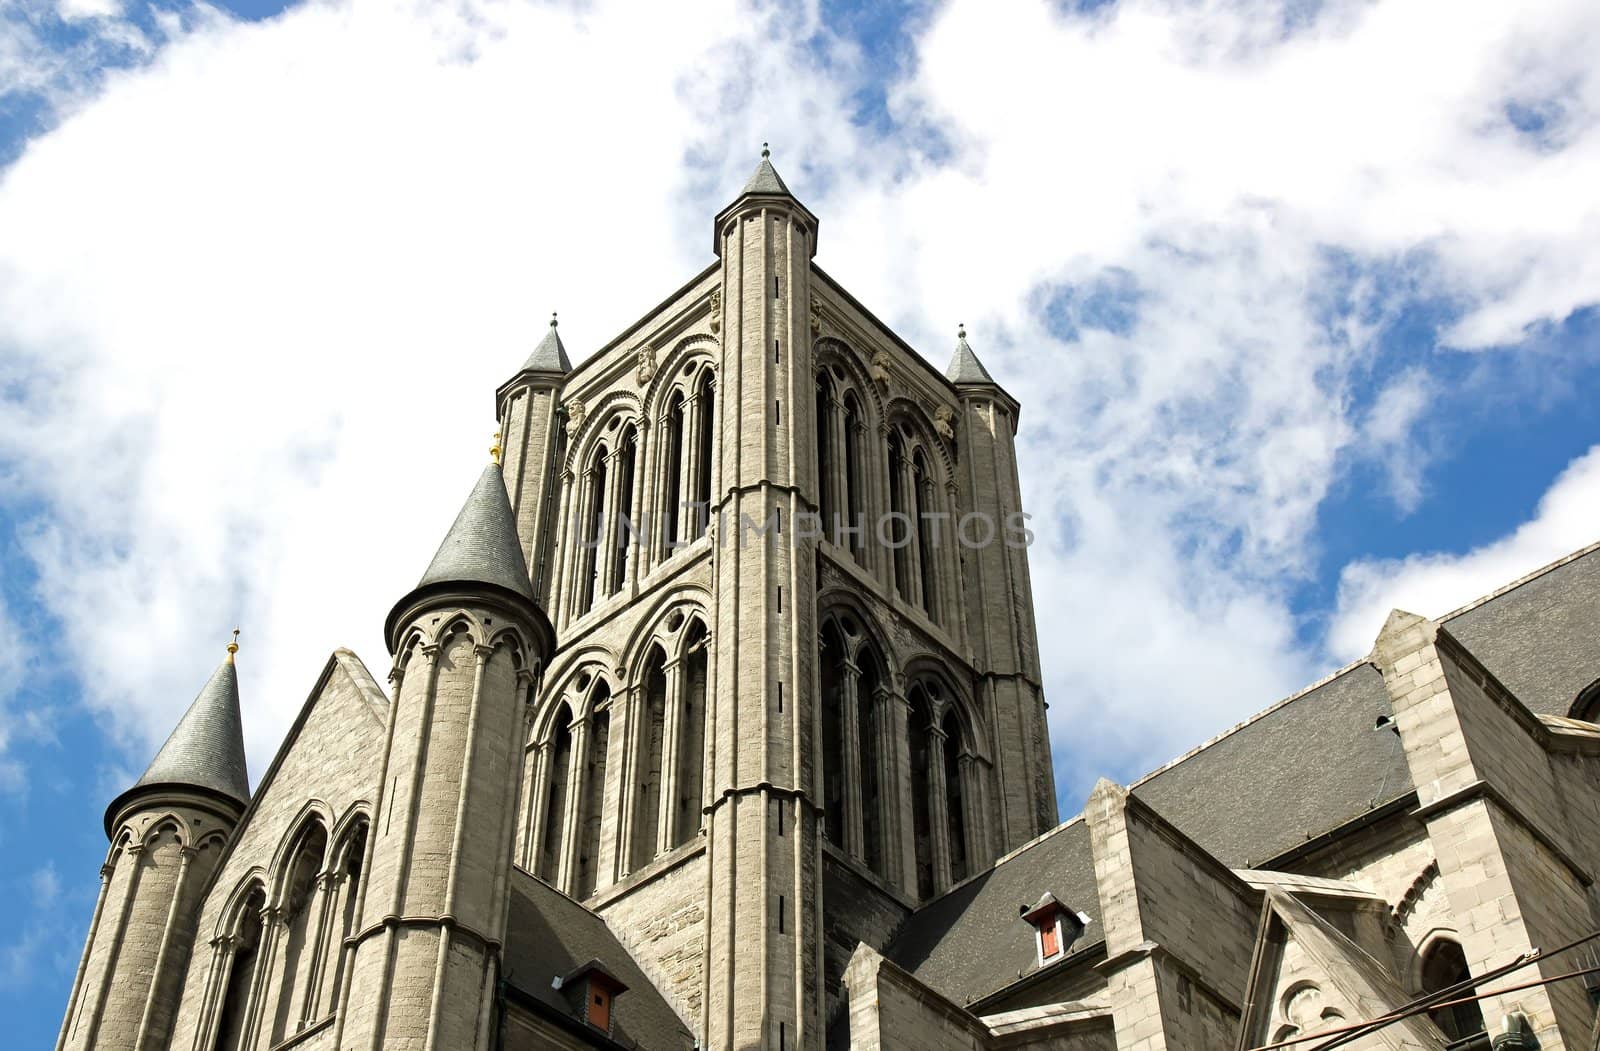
167, 835
766, 191
468, 642
528, 408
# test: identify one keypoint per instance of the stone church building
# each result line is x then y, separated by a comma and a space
716, 722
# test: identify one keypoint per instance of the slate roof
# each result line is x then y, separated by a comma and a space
550, 355
972, 941
965, 366
549, 935
206, 748
482, 546
765, 180
1541, 635
1305, 766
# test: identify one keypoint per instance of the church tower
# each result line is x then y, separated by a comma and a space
468, 643
167, 835
763, 975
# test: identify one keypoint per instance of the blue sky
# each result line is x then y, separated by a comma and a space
1302, 302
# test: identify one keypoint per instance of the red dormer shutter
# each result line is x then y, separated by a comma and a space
1050, 940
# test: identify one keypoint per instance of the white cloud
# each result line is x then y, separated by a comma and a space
257, 292
1435, 584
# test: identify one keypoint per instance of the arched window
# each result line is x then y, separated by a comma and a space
901, 534
298, 902
955, 812
921, 721
1445, 965
592, 802
923, 505
691, 735
351, 856
831, 657
672, 473
556, 808
593, 530
239, 981
869, 710
825, 452
647, 800
852, 472
622, 545
706, 406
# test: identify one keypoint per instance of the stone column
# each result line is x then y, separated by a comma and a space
606, 557
106, 870
163, 954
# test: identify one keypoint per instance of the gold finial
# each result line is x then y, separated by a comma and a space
233, 647
494, 450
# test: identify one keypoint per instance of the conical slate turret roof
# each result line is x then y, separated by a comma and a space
550, 355
766, 179
482, 546
964, 365
206, 749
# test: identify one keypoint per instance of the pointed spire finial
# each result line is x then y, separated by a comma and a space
961, 330
233, 647
766, 151
552, 319
494, 450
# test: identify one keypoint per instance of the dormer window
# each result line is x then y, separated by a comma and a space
591, 989
1055, 926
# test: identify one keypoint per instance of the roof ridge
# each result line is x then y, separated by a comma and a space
1517, 583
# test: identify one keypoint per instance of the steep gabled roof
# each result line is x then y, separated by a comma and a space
206, 748
482, 546
548, 935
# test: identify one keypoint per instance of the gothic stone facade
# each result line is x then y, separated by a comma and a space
706, 729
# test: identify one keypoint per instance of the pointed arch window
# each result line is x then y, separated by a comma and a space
921, 721
831, 658
556, 804
592, 801
852, 473
299, 904
901, 535
239, 974
955, 798
671, 473
652, 744
593, 530
923, 506
348, 861
622, 543
691, 732
826, 454
705, 433
1444, 965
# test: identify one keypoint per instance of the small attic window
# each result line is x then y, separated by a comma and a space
592, 991
1055, 927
